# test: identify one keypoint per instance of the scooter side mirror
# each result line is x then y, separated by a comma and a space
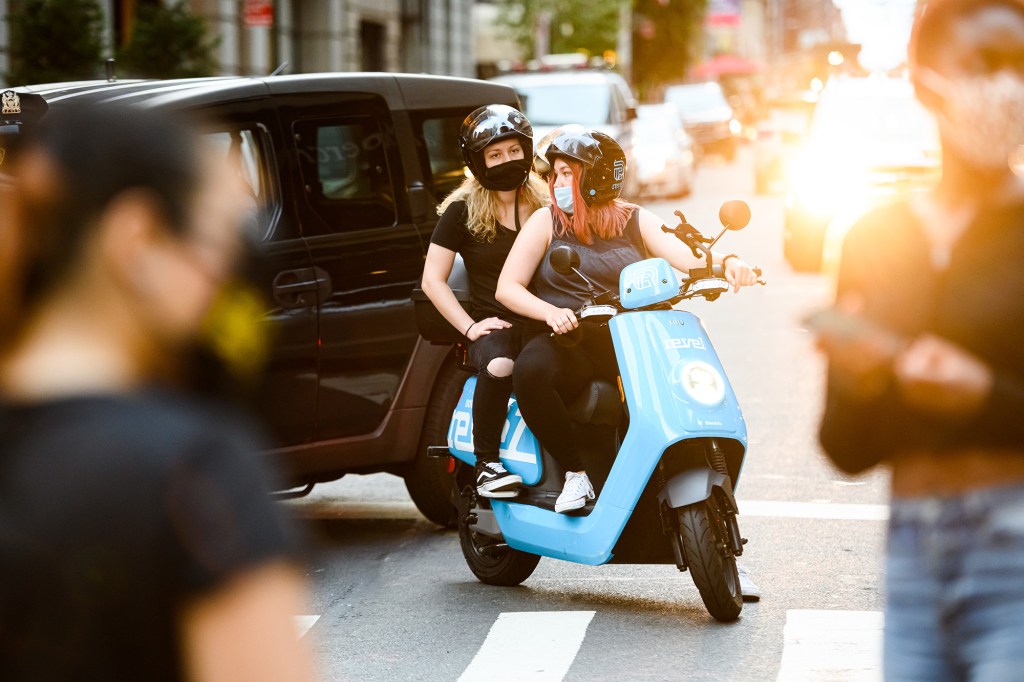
564, 260
734, 214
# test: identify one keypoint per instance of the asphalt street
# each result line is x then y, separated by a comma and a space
392, 599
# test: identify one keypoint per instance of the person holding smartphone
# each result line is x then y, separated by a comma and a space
926, 367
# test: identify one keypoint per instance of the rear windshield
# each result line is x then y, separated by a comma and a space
692, 98
588, 104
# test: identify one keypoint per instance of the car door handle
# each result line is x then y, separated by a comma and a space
302, 287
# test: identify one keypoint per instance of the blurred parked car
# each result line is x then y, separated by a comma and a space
597, 99
869, 142
663, 152
778, 137
707, 116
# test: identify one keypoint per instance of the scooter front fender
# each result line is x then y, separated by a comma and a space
695, 485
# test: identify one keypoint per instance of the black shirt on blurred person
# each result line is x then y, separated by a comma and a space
115, 510
975, 301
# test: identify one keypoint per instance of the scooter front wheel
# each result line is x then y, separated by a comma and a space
492, 561
704, 537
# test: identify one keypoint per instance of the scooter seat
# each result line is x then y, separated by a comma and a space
598, 404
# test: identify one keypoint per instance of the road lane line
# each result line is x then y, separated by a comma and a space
536, 646
304, 623
394, 510
832, 645
814, 510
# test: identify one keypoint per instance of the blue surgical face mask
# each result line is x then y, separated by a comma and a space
563, 198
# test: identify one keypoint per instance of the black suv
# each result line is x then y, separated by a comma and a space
349, 169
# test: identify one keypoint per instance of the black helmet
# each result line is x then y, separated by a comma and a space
604, 162
490, 124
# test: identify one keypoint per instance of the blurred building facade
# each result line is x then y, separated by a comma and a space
258, 36
800, 25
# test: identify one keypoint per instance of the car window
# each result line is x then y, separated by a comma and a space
556, 104
441, 140
345, 173
654, 131
691, 98
246, 147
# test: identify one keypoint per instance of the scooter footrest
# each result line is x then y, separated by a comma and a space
438, 451
545, 499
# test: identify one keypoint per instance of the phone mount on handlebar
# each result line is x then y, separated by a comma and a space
734, 215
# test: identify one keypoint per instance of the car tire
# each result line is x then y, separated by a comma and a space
429, 481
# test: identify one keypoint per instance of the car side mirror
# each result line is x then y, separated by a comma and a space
564, 260
735, 214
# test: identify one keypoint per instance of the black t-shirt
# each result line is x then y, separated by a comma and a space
976, 302
114, 512
483, 260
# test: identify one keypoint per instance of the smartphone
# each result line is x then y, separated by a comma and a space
847, 327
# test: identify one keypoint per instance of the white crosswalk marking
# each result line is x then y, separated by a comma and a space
839, 646
538, 646
304, 623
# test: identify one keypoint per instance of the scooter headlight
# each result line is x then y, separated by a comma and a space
700, 382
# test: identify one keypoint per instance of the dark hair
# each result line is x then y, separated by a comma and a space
98, 152
933, 19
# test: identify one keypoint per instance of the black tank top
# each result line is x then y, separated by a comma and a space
601, 262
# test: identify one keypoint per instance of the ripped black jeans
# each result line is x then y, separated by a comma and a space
490, 400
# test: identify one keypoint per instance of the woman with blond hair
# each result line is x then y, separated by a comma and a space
480, 221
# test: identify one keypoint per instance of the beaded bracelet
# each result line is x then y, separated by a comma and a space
727, 257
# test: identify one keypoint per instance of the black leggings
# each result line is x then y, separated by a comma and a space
490, 399
549, 374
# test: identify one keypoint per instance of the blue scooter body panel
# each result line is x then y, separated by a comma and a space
519, 451
675, 389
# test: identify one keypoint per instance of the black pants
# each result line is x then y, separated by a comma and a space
549, 373
490, 399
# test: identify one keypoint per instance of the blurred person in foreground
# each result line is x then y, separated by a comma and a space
137, 538
926, 364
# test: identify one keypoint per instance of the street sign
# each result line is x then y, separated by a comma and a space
258, 13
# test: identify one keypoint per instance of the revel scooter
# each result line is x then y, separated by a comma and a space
664, 448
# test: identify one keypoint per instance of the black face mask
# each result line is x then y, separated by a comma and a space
506, 176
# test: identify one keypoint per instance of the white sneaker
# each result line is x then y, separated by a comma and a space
576, 492
750, 590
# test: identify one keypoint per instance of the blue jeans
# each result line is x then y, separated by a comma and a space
955, 582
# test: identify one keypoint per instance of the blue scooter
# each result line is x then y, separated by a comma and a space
664, 448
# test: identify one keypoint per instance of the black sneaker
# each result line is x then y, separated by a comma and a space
493, 480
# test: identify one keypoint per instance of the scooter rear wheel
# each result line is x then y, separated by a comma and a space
492, 561
704, 537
